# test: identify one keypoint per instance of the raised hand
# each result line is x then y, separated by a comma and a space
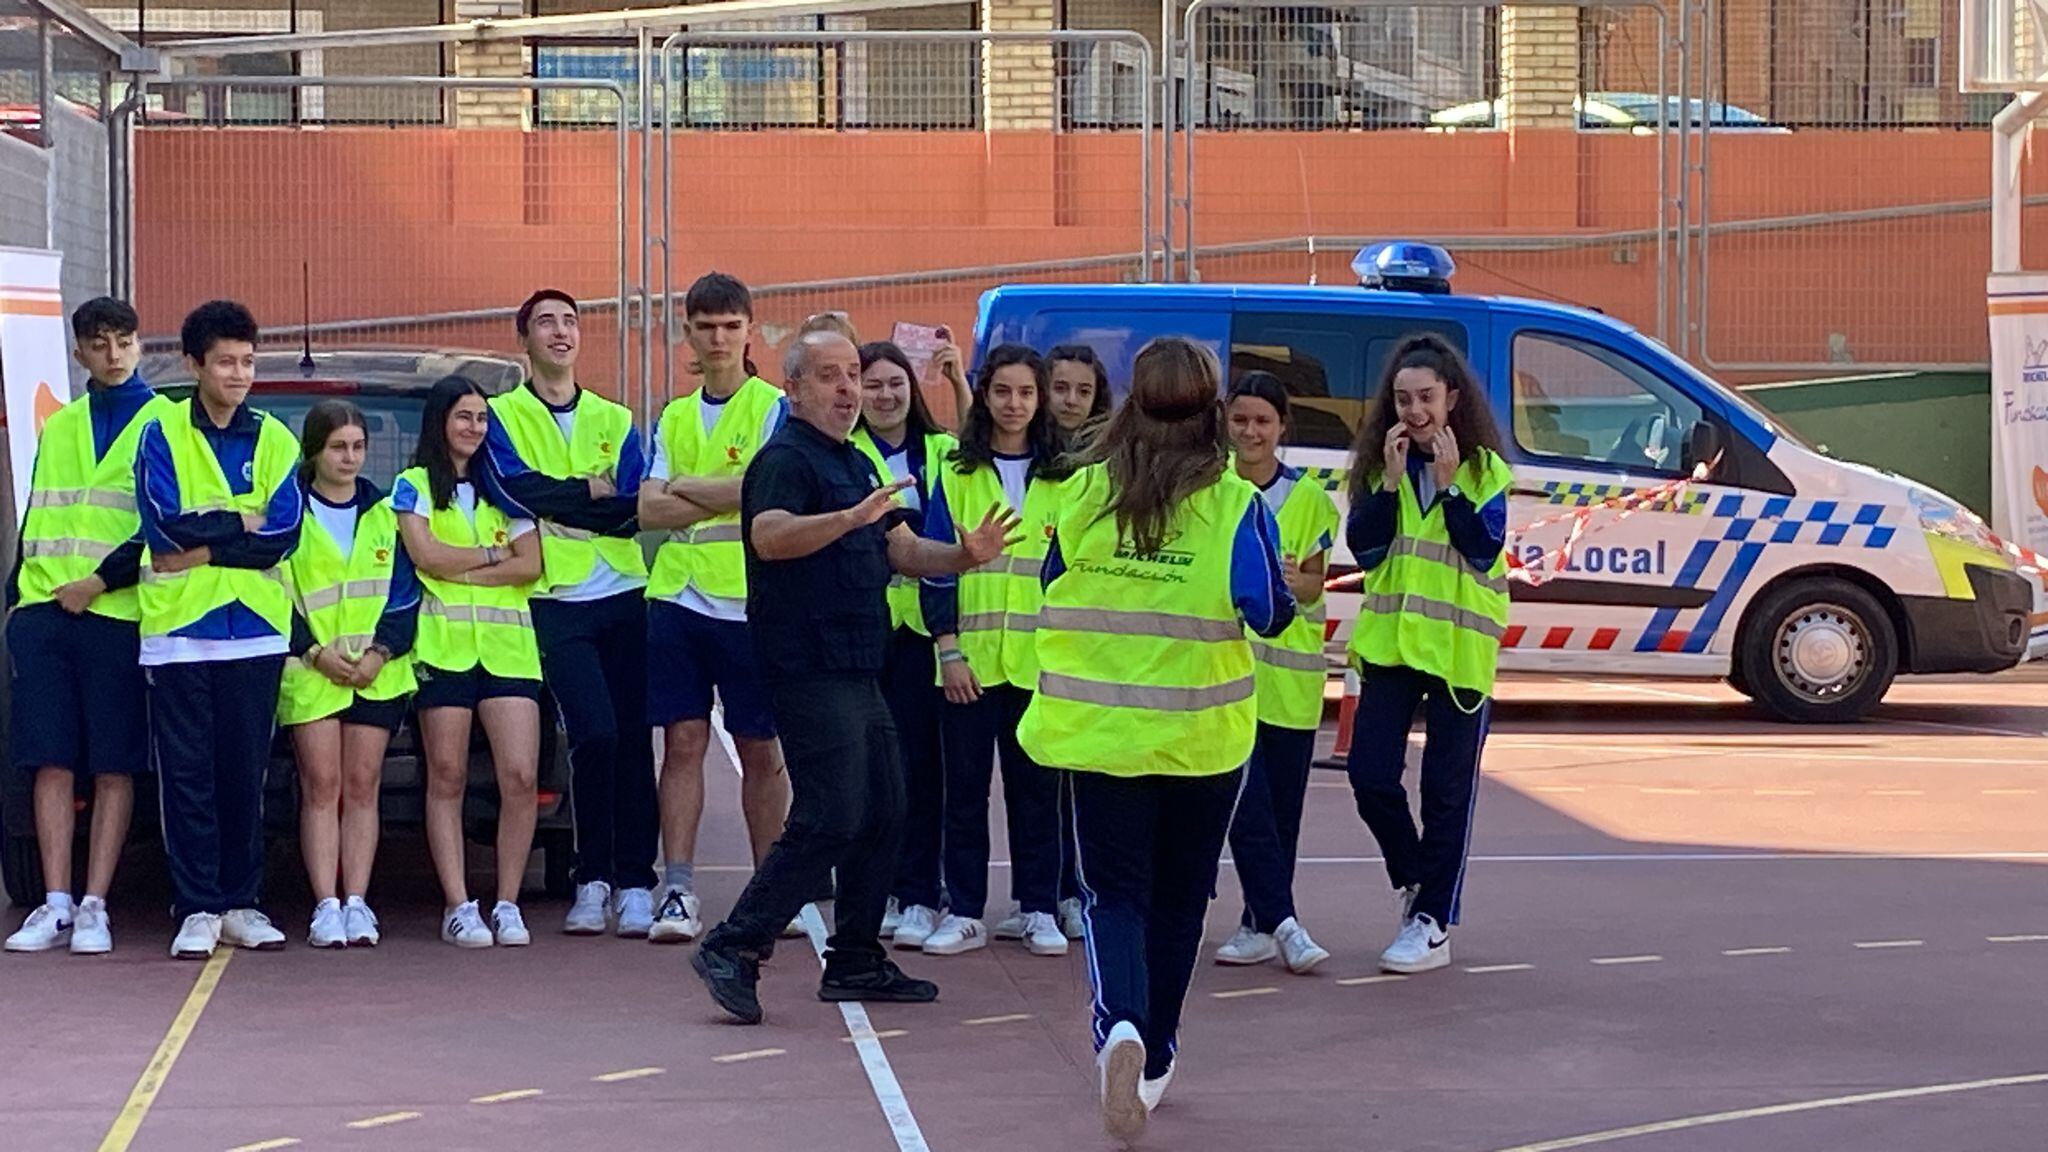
1396, 454
879, 502
998, 530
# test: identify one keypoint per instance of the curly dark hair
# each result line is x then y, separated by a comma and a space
977, 430
1471, 418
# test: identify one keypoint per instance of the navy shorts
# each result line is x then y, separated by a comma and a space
79, 695
440, 688
688, 655
385, 714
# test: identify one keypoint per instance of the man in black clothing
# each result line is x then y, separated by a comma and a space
822, 534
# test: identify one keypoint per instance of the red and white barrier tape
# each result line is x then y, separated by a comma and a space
1546, 567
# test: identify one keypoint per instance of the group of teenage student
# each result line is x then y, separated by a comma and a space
196, 554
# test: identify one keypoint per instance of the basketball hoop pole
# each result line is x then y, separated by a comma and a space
2008, 130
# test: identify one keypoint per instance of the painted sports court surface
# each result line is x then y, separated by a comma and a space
1686, 930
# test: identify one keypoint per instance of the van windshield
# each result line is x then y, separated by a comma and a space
1755, 411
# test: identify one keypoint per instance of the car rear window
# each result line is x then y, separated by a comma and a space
1330, 364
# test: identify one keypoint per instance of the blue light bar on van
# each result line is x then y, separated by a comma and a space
1404, 266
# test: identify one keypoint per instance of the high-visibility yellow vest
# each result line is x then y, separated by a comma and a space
342, 599
1425, 607
999, 600
906, 610
1144, 666
463, 624
174, 600
708, 553
1291, 669
570, 555
80, 509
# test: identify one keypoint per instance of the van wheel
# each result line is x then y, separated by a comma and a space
1817, 652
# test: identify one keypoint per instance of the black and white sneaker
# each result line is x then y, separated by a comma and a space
1422, 945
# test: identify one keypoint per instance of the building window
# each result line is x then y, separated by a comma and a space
1923, 62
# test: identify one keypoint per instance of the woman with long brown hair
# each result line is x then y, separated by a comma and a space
1161, 557
1428, 527
346, 690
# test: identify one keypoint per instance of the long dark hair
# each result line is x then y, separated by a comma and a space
1166, 443
1471, 419
432, 453
977, 431
323, 420
1084, 355
1260, 385
919, 424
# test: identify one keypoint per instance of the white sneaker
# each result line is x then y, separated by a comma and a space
677, 922
1247, 947
330, 925
1011, 927
197, 938
91, 933
248, 928
463, 927
635, 909
1071, 924
1421, 946
1298, 950
916, 927
1151, 1091
360, 924
892, 915
587, 915
1042, 935
45, 928
509, 926
954, 935
1121, 1067
795, 928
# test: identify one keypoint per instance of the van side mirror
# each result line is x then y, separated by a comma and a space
1702, 445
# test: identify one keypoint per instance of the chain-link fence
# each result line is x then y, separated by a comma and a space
396, 229
895, 175
1845, 213
1309, 130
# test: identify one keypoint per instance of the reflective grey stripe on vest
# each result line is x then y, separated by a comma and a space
981, 622
1151, 698
564, 532
1318, 613
474, 614
1008, 565
1445, 554
72, 497
1394, 603
1165, 625
1276, 656
715, 534
58, 549
334, 594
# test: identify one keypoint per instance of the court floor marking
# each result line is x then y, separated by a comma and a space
151, 1082
1703, 749
1684, 1123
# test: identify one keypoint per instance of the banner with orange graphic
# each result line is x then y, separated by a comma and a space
35, 360
2019, 409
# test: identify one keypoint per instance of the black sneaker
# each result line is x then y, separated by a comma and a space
880, 982
731, 981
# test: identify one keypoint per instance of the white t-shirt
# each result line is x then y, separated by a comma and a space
1016, 476
898, 465
716, 607
1276, 493
412, 502
340, 523
604, 580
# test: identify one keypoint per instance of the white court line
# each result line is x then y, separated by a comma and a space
506, 1097
1669, 791
383, 1121
1355, 981
1641, 858
1979, 729
2032, 939
1483, 969
626, 1074
1753, 752
1612, 1135
1773, 951
1645, 690
881, 1077
1609, 961
1897, 792
1241, 993
1781, 791
2008, 791
1889, 943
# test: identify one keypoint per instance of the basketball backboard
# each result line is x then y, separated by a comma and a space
2005, 46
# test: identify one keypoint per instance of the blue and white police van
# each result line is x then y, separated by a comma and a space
1806, 582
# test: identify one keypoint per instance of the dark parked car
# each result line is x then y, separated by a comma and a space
390, 386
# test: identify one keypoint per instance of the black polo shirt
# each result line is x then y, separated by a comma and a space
826, 614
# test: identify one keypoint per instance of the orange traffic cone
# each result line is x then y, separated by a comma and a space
1347, 711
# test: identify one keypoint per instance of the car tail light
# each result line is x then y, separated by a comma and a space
550, 799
